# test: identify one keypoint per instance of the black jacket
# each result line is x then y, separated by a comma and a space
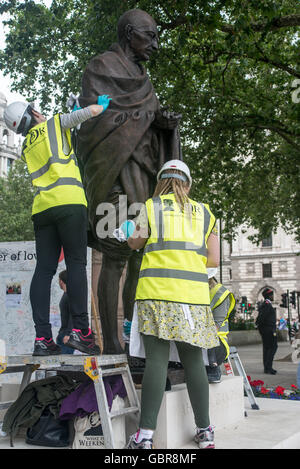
266, 316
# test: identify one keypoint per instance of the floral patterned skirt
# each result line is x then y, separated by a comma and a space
166, 320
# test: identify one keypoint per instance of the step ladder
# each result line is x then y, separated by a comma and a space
233, 355
96, 373
96, 368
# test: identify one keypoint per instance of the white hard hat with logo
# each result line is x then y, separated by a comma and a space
17, 117
175, 164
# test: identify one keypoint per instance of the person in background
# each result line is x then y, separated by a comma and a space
59, 215
172, 297
65, 315
266, 323
222, 303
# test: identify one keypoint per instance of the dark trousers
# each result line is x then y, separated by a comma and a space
63, 226
269, 346
155, 376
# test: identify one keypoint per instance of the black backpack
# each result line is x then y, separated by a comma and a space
49, 431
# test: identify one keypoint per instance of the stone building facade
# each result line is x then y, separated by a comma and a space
247, 269
10, 143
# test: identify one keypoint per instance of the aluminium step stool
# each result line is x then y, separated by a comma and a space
96, 367
233, 355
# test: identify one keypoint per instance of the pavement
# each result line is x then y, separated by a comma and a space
251, 358
275, 425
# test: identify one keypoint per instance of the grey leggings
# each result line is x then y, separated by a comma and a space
155, 375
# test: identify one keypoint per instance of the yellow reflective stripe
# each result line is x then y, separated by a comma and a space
59, 182
175, 245
52, 137
223, 337
174, 273
218, 295
53, 159
211, 220
158, 215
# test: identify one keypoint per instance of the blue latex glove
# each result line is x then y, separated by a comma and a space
103, 100
125, 231
76, 108
127, 327
128, 228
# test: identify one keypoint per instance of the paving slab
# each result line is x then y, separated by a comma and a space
276, 425
251, 357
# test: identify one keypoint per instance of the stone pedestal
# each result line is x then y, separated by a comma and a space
176, 425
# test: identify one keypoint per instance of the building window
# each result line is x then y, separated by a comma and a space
9, 164
230, 274
267, 242
5, 137
267, 270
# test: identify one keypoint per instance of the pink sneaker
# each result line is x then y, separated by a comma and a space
205, 438
44, 347
84, 343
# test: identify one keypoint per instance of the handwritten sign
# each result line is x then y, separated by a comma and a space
17, 265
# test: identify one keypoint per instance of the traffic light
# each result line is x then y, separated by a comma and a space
284, 300
293, 298
244, 301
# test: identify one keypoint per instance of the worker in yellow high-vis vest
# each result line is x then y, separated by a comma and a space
59, 215
172, 298
222, 303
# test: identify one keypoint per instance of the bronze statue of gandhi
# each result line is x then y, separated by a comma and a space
120, 153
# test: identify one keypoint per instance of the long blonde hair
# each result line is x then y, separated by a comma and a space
178, 187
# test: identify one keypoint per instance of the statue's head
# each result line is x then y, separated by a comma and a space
137, 31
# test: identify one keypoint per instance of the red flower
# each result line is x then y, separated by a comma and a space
264, 390
279, 390
294, 386
249, 378
256, 383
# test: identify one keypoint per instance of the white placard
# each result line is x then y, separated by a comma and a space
17, 264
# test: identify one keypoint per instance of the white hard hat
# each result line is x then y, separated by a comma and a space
211, 272
175, 164
17, 117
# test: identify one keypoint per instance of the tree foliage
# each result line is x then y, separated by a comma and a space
16, 197
228, 66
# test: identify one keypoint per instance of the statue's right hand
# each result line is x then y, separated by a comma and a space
166, 120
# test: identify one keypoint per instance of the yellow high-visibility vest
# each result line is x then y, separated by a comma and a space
217, 295
55, 176
175, 255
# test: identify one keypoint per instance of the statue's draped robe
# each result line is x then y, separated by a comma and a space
121, 150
